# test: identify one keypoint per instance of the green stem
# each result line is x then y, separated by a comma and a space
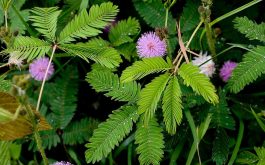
44, 79
234, 11
35, 131
110, 159
194, 134
6, 20
129, 154
175, 155
166, 19
210, 40
230, 14
238, 142
193, 34
198, 134
124, 145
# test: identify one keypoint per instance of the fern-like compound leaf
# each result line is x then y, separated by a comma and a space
97, 50
45, 21
247, 71
190, 16
172, 107
88, 25
199, 82
220, 148
150, 142
124, 31
147, 66
79, 131
154, 14
64, 97
110, 133
261, 155
221, 117
5, 156
250, 29
29, 47
106, 81
150, 96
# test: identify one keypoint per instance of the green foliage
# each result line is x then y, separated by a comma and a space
147, 66
172, 107
64, 97
110, 133
220, 147
105, 81
78, 132
190, 16
150, 96
250, 29
247, 71
4, 153
261, 155
150, 142
97, 50
5, 85
15, 16
198, 82
246, 157
221, 114
88, 25
154, 15
124, 31
30, 47
45, 21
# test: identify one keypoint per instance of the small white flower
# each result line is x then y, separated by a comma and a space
205, 63
14, 59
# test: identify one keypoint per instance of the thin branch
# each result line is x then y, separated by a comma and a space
44, 79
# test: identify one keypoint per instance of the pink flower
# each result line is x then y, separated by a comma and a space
150, 45
205, 63
62, 163
226, 70
38, 68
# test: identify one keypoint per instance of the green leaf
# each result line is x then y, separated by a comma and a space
190, 16
150, 143
106, 81
29, 47
246, 157
18, 18
172, 108
45, 21
150, 96
123, 31
5, 85
110, 133
199, 82
64, 97
78, 132
147, 66
220, 148
97, 50
221, 114
88, 25
261, 155
261, 124
4, 153
247, 71
252, 30
154, 14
